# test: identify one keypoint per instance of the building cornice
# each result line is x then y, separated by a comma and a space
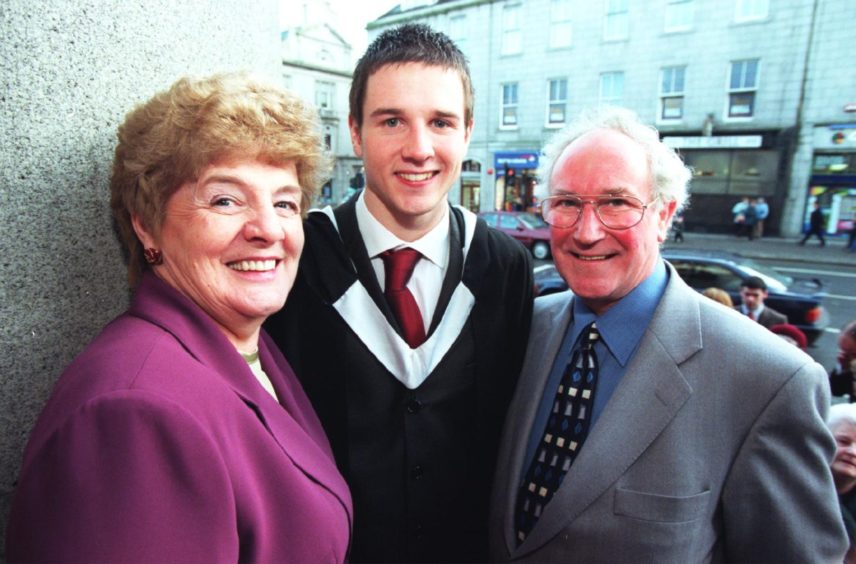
309, 66
422, 11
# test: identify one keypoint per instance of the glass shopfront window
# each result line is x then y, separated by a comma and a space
745, 173
842, 163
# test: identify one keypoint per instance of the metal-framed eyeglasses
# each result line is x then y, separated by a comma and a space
613, 211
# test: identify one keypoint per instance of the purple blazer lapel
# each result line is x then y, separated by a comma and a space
290, 423
294, 401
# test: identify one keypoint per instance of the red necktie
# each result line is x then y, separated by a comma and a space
398, 266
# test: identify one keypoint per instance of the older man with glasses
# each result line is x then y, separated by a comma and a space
644, 427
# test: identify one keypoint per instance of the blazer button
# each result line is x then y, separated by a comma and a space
414, 406
416, 472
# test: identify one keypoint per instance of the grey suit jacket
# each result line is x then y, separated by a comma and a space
712, 448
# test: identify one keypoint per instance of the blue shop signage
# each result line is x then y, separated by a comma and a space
514, 159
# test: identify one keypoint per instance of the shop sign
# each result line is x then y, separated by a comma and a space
717, 142
837, 136
515, 159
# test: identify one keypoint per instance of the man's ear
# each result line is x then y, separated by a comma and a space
664, 219
469, 132
356, 138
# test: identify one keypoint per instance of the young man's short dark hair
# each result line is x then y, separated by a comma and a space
754, 283
409, 43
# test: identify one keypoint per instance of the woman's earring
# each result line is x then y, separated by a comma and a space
153, 256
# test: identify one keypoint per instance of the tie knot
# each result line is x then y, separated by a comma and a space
590, 334
398, 267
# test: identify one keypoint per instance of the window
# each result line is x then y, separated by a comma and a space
324, 92
840, 163
471, 165
617, 23
751, 10
557, 101
561, 30
699, 275
508, 222
679, 15
512, 36
611, 87
742, 87
458, 31
672, 93
509, 105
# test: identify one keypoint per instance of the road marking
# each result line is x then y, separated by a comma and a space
816, 272
837, 297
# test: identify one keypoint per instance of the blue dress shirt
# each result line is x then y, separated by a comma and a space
621, 328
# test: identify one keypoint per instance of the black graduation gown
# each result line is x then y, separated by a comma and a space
419, 461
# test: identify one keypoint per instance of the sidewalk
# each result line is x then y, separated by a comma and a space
778, 248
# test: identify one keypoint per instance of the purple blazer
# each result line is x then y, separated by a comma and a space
159, 445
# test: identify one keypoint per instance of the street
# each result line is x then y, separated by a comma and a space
840, 285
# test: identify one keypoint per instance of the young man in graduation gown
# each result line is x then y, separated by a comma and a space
409, 319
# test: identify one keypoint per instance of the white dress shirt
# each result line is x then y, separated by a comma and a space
428, 275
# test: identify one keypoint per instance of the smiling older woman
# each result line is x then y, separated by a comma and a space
842, 423
181, 434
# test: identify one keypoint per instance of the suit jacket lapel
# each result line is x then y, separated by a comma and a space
649, 396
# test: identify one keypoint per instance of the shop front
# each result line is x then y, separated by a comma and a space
516, 182
833, 177
728, 168
471, 171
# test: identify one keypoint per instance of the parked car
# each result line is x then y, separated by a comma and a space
800, 299
526, 227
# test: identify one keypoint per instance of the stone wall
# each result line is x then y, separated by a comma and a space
69, 71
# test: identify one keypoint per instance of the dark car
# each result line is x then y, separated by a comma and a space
526, 227
800, 299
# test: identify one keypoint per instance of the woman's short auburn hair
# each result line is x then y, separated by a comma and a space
718, 295
173, 137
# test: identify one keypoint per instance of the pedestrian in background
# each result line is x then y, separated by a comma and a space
738, 215
842, 424
791, 334
841, 378
678, 227
762, 211
815, 225
753, 292
750, 218
851, 236
719, 295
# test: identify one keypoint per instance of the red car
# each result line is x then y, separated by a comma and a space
526, 227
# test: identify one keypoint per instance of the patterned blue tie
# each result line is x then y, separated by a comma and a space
564, 435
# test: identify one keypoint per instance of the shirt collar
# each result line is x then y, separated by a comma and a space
622, 326
434, 245
756, 312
